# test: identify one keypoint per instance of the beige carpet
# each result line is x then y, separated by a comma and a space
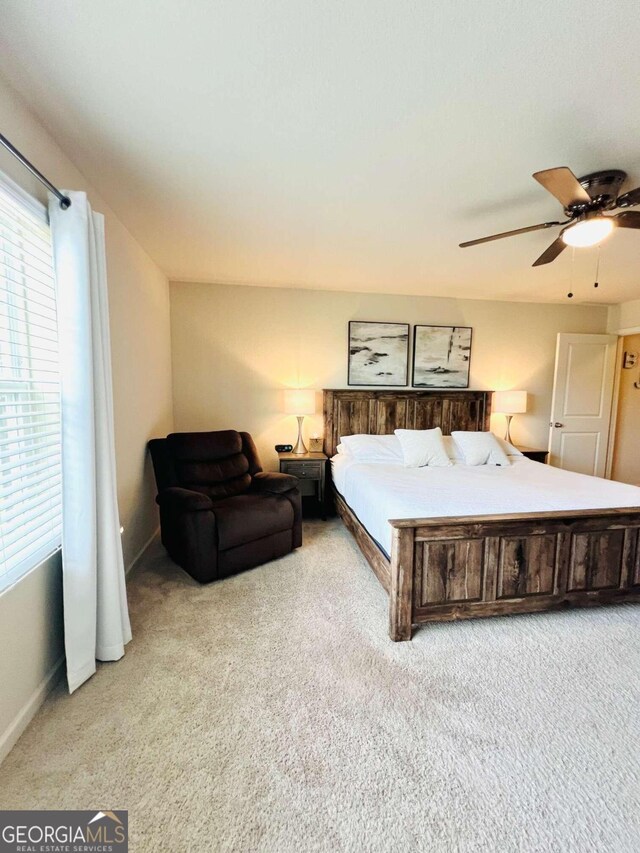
271, 713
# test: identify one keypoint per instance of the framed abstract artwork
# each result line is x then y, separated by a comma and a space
441, 356
378, 353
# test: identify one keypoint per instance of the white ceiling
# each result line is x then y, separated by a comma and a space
341, 144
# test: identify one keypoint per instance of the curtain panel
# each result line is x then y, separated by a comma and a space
96, 618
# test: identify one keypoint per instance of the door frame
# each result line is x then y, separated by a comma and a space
611, 440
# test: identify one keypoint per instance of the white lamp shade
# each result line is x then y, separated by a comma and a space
300, 402
509, 402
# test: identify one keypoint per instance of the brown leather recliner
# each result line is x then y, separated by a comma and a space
219, 512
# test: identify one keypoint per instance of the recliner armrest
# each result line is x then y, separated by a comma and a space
183, 500
273, 483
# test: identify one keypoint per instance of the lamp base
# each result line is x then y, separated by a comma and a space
507, 435
300, 447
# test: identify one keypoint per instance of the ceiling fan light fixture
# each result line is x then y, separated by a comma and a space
588, 231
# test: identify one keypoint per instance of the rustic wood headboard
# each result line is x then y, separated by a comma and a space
348, 412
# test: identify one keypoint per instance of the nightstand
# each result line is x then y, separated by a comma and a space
310, 469
533, 453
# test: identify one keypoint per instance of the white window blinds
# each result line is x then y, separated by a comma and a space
30, 470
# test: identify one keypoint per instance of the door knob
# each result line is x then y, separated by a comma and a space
558, 424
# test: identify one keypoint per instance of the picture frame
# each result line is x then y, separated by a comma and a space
378, 354
441, 356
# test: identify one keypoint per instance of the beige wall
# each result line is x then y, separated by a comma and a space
235, 348
624, 318
626, 455
140, 339
32, 647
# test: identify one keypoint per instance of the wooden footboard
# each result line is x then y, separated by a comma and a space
460, 568
443, 569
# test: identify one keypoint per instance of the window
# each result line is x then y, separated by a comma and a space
30, 470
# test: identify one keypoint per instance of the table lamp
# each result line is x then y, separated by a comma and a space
509, 403
300, 403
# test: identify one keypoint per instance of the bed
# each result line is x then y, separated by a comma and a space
572, 541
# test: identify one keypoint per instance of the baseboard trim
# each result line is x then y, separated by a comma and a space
11, 735
142, 552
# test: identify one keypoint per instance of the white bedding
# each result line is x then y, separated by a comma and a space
377, 492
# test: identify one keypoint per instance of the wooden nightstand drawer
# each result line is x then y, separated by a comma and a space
303, 470
310, 469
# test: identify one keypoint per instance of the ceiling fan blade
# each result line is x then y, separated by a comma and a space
563, 184
510, 233
628, 219
629, 199
551, 253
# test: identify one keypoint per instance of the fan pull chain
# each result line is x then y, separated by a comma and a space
596, 282
573, 258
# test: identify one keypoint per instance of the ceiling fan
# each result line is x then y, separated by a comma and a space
584, 201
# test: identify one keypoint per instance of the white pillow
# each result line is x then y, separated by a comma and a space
422, 447
457, 455
480, 448
372, 448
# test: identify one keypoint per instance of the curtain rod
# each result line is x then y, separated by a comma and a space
65, 201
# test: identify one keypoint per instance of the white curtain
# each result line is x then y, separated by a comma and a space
96, 618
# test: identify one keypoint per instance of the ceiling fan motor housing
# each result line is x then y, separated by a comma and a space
603, 189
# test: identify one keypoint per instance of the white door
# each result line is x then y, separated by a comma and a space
581, 406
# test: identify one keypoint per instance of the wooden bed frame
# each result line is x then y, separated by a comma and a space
486, 565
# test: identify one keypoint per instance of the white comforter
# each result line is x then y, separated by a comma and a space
377, 492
